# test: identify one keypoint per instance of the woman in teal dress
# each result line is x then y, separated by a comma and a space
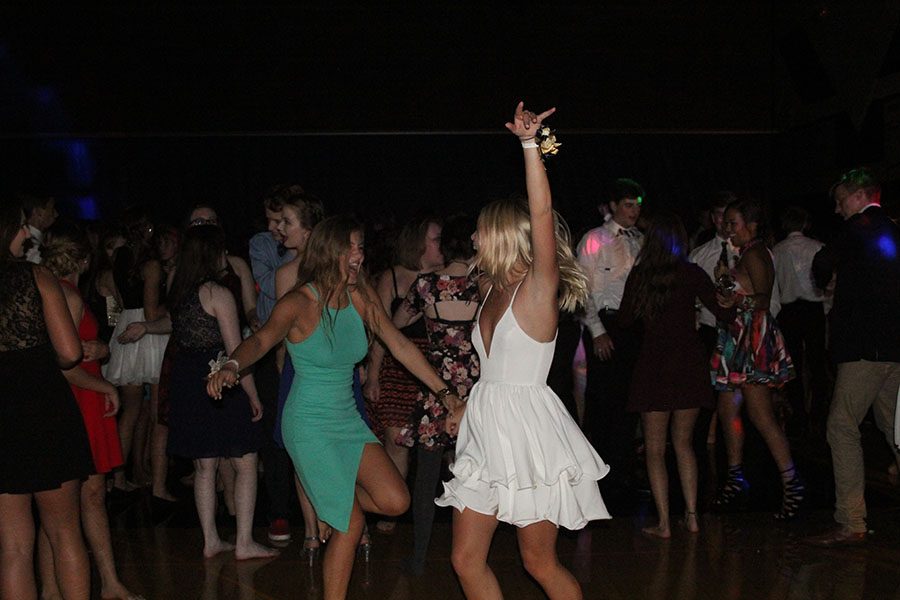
343, 468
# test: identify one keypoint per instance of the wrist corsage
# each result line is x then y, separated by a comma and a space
546, 140
219, 363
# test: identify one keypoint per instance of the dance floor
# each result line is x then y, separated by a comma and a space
739, 555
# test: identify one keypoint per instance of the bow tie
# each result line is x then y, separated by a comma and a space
630, 232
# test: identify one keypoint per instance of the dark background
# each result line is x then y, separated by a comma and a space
385, 109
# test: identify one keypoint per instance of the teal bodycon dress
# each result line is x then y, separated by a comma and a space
323, 432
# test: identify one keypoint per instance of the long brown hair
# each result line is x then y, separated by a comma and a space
199, 261
321, 262
656, 269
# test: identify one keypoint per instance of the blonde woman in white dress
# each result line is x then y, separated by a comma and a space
520, 458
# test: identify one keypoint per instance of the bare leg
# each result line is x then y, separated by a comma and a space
96, 528
759, 409
472, 534
59, 511
205, 498
682, 440
46, 570
140, 445
339, 555
131, 397
537, 545
226, 476
245, 503
379, 489
656, 425
159, 461
399, 455
17, 547
310, 520
732, 427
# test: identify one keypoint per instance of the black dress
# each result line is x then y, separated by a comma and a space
43, 442
200, 426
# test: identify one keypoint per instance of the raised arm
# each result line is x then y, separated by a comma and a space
544, 269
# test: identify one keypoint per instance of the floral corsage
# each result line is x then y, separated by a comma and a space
547, 144
219, 363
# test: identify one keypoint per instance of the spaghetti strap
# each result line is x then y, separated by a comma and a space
314, 290
394, 278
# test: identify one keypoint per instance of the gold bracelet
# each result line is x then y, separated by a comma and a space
442, 393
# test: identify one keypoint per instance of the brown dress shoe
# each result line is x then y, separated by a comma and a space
839, 536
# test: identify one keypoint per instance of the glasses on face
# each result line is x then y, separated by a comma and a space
204, 221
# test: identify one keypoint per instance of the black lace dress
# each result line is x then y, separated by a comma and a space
200, 426
43, 442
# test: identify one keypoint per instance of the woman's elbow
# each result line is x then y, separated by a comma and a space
69, 358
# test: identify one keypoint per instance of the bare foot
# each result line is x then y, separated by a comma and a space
691, 523
125, 486
254, 550
165, 495
217, 548
117, 591
658, 532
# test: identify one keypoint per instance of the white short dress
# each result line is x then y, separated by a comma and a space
137, 363
519, 454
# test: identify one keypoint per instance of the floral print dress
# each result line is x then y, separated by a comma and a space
450, 352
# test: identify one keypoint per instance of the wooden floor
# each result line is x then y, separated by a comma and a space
743, 555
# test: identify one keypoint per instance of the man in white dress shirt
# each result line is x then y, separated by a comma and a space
40, 214
607, 254
802, 320
706, 256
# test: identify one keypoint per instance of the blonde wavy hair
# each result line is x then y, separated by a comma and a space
64, 253
504, 245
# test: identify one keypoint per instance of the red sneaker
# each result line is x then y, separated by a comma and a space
280, 530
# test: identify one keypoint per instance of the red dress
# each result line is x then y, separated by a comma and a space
102, 431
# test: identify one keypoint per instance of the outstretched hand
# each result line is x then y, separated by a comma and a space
525, 123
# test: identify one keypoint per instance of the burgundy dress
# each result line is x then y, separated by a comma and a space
672, 370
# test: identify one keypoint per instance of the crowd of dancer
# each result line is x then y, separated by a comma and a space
154, 342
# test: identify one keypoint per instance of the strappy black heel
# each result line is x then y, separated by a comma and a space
734, 493
794, 494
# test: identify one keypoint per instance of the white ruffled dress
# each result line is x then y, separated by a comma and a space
519, 454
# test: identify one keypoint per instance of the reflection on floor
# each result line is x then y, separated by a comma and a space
741, 555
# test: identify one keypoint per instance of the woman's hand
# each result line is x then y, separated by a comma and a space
94, 350
454, 418
726, 300
224, 378
525, 123
371, 388
111, 401
133, 332
256, 408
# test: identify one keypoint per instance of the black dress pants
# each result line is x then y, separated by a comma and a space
609, 427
